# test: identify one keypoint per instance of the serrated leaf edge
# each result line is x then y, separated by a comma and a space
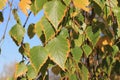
59, 20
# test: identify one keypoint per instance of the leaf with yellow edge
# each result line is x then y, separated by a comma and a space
58, 49
17, 33
21, 69
47, 29
38, 57
31, 74
82, 4
55, 11
2, 3
25, 49
24, 6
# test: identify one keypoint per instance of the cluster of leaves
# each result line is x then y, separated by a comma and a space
80, 40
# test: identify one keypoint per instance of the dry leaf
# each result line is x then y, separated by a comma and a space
24, 6
82, 4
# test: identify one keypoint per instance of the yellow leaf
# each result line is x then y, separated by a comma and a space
24, 6
82, 4
2, 3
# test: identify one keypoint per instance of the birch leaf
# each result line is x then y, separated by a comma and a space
82, 4
24, 6
2, 3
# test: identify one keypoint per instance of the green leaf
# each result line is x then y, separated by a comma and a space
78, 42
67, 2
38, 29
115, 50
93, 37
37, 5
25, 49
31, 30
87, 50
47, 29
77, 53
70, 66
17, 33
2, 3
1, 17
64, 33
58, 49
21, 69
38, 56
116, 11
85, 73
55, 12
31, 73
73, 77
16, 17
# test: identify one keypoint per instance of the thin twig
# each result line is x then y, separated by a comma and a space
22, 44
27, 19
3, 37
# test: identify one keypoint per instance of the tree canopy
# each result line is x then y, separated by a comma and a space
80, 39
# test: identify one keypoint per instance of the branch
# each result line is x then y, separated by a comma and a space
25, 24
3, 37
23, 57
27, 19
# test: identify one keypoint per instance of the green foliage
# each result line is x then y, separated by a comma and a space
31, 72
37, 5
92, 36
55, 12
87, 50
84, 72
77, 53
25, 49
81, 43
16, 17
47, 29
21, 69
31, 30
58, 49
17, 33
38, 56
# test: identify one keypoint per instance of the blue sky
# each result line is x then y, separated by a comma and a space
9, 52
